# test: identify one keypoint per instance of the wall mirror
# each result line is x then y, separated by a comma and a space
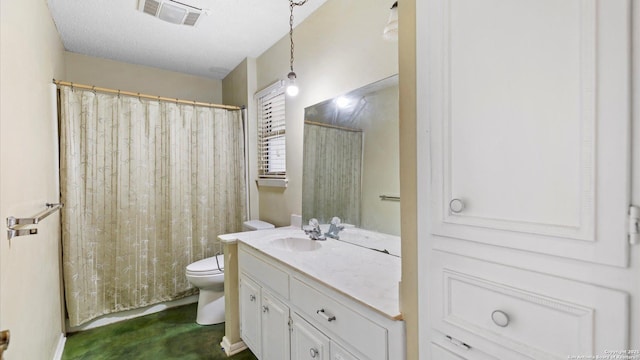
351, 159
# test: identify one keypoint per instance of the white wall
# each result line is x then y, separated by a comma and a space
31, 54
337, 49
238, 88
112, 74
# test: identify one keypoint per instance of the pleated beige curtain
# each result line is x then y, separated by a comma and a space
147, 188
332, 169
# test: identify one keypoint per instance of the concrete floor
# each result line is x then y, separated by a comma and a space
169, 334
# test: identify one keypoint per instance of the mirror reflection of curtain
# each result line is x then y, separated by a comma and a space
332, 173
147, 186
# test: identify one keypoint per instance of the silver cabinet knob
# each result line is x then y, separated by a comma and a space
252, 297
500, 318
456, 206
314, 352
265, 309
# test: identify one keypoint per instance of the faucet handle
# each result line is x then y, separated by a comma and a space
313, 230
313, 227
335, 221
316, 225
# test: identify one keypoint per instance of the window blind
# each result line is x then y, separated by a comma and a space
271, 133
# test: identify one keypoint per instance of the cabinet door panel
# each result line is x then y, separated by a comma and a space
250, 319
307, 342
275, 328
339, 353
529, 124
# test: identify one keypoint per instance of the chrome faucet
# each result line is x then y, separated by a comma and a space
334, 228
313, 230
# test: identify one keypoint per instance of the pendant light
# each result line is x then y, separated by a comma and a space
292, 87
390, 31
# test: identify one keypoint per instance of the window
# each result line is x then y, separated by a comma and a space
272, 159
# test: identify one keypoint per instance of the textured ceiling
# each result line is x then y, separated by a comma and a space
235, 29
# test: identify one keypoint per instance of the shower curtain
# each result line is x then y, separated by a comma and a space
147, 187
332, 169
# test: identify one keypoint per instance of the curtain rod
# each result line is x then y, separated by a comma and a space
146, 96
331, 126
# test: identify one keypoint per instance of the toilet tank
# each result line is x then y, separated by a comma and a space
251, 225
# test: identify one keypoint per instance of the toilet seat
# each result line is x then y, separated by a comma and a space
206, 266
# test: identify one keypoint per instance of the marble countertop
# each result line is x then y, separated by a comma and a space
368, 277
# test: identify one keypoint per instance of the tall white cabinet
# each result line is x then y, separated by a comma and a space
524, 180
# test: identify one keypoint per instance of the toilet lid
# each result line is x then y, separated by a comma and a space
206, 265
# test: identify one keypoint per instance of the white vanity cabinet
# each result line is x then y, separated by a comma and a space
440, 353
339, 353
313, 320
250, 319
264, 314
264, 321
336, 318
275, 328
523, 153
307, 342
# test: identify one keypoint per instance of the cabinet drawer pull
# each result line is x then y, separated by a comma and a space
500, 318
326, 316
314, 352
456, 206
458, 343
265, 309
252, 297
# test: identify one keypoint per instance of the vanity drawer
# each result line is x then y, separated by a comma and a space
267, 274
351, 327
440, 353
495, 308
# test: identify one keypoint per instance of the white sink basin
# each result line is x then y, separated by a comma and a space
296, 244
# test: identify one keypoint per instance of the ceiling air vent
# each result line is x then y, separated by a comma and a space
192, 18
150, 7
171, 11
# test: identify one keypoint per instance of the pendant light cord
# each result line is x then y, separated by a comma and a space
292, 4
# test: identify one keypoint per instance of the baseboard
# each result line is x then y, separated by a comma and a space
232, 349
130, 314
60, 347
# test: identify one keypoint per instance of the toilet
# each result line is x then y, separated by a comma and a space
205, 275
208, 276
